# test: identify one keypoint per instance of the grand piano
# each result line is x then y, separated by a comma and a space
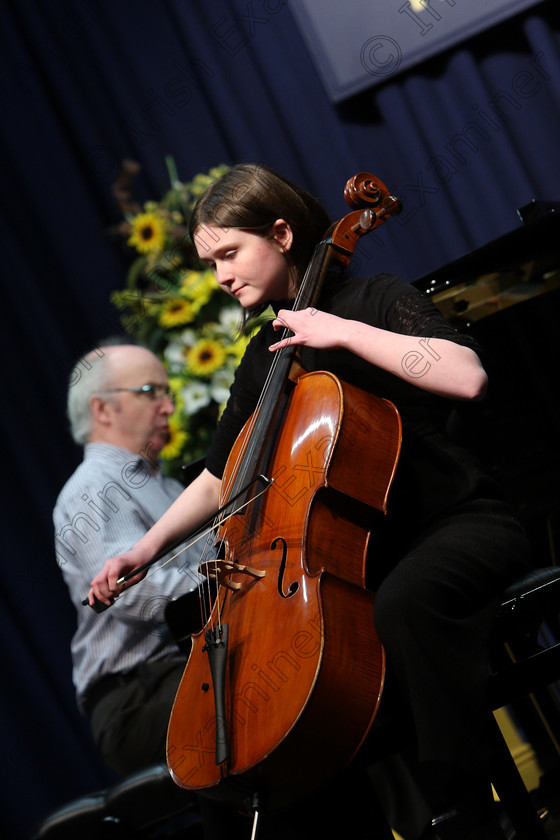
507, 294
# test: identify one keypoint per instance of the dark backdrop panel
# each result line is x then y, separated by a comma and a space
356, 46
464, 140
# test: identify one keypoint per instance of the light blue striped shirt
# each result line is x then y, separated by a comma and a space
104, 508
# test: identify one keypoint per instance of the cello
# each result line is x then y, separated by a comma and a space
288, 656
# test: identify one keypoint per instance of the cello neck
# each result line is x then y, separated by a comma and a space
275, 393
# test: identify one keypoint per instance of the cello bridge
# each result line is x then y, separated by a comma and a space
220, 570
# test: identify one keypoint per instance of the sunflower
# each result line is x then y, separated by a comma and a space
176, 312
147, 233
176, 442
205, 357
198, 286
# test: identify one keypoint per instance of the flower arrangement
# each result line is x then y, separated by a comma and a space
172, 304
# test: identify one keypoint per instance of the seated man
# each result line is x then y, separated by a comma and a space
126, 665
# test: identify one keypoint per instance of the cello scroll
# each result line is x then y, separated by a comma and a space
372, 205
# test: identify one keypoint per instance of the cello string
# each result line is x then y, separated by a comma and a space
276, 360
251, 441
301, 295
217, 522
211, 581
241, 455
204, 590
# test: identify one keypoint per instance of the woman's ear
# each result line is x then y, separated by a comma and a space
283, 234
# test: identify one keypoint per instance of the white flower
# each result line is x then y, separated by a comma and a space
188, 338
176, 351
220, 384
174, 355
229, 319
195, 396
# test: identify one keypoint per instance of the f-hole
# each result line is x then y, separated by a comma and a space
295, 585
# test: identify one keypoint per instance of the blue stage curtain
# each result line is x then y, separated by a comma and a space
464, 140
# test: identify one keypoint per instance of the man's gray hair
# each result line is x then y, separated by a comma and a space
90, 376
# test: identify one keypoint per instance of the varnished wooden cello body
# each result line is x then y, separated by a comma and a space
284, 681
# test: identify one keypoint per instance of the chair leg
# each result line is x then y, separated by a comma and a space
512, 792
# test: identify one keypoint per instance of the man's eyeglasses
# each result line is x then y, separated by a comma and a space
154, 392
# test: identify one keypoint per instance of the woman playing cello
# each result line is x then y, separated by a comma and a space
448, 545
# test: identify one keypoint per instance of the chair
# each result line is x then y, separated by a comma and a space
525, 662
144, 805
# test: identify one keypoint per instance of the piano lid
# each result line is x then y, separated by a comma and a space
511, 269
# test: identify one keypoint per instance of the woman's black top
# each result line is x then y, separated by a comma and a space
434, 473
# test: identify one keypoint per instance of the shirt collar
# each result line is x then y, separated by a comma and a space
119, 455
